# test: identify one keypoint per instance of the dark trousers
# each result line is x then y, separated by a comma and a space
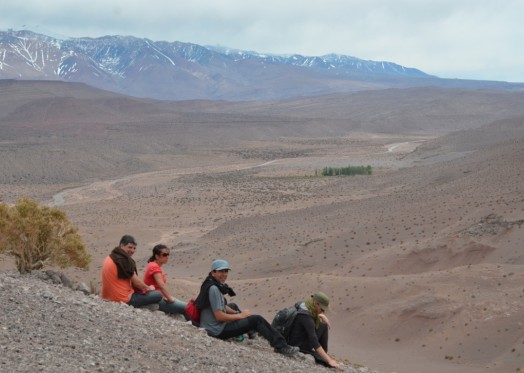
254, 322
323, 336
306, 347
143, 299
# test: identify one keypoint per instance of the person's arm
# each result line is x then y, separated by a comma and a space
226, 317
323, 354
220, 308
324, 318
163, 287
308, 324
139, 284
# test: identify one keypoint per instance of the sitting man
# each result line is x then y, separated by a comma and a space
120, 282
309, 330
222, 321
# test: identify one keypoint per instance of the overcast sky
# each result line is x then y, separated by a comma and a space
469, 39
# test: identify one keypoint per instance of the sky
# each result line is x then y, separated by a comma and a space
464, 39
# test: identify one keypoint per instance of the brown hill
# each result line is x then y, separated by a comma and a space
423, 259
49, 128
425, 262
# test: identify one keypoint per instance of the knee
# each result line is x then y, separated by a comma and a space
256, 319
156, 295
323, 331
323, 328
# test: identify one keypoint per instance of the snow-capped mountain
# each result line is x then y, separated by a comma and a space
176, 70
330, 61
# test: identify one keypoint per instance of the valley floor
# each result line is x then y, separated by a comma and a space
422, 260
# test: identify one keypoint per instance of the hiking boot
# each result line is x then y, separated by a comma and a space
287, 350
239, 338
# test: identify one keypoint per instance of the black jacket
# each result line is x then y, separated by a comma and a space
202, 300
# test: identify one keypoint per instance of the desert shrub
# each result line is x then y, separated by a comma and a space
349, 170
39, 235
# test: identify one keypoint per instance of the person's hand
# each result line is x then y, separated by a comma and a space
245, 313
325, 320
333, 364
170, 300
149, 288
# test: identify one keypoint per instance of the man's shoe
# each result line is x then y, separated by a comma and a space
287, 350
239, 338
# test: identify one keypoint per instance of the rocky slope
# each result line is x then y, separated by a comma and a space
48, 327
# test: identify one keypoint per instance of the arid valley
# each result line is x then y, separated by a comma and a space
423, 259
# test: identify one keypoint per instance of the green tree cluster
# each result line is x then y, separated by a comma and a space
39, 235
349, 170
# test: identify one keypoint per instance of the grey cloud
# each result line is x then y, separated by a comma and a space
477, 39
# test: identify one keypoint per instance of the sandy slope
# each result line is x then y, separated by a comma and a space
423, 259
420, 279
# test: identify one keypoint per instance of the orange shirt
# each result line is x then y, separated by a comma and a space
113, 288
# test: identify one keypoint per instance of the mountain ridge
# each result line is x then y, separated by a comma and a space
176, 70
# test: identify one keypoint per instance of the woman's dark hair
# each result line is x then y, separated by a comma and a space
157, 250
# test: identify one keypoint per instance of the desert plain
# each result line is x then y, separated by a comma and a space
423, 259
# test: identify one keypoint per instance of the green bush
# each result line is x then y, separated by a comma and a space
349, 170
39, 235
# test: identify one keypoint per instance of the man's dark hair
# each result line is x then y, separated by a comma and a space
127, 239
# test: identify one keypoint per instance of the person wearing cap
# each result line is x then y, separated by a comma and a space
222, 321
309, 330
120, 281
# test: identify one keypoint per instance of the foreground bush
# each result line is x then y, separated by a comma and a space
39, 235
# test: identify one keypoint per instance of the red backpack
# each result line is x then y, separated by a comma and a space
193, 312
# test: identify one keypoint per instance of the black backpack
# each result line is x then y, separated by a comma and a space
284, 319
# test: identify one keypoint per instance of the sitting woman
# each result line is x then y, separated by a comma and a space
309, 330
154, 275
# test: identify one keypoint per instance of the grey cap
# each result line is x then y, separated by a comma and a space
219, 264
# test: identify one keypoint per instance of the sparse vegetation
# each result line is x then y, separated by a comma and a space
349, 170
39, 235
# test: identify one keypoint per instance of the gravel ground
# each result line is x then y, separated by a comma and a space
46, 326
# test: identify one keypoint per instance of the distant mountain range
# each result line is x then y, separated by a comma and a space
181, 71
